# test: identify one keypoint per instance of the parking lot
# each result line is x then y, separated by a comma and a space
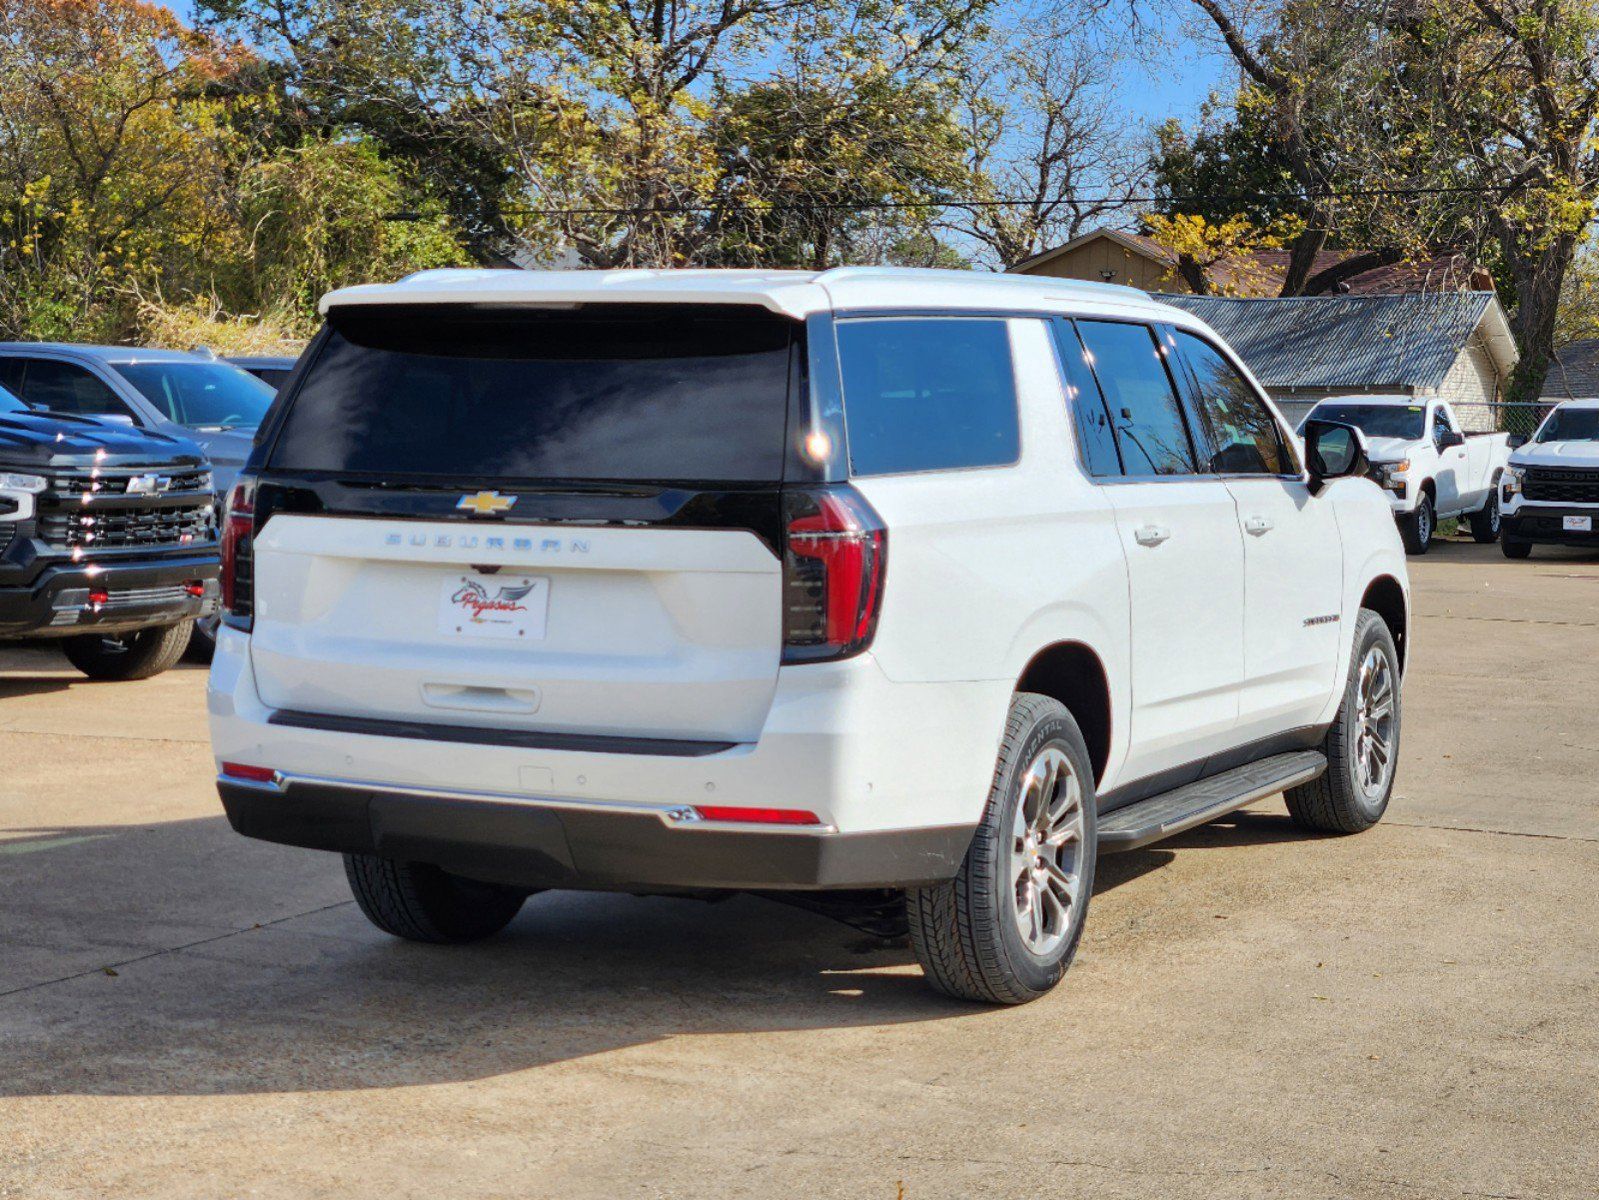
1255, 1012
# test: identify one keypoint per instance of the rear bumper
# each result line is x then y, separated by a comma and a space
1544, 524
139, 595
550, 844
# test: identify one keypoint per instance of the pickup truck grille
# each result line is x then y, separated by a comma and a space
1562, 485
143, 480
121, 528
126, 508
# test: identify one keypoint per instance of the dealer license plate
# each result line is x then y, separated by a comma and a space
509, 607
1577, 524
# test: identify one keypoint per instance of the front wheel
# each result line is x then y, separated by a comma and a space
1485, 522
130, 655
1417, 526
1362, 744
1005, 929
1515, 549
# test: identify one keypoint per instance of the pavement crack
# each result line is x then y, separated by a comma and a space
1449, 616
100, 737
1519, 833
139, 958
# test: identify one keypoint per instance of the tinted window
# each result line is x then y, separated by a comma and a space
65, 388
1571, 425
11, 374
1143, 408
1377, 420
201, 395
928, 394
1240, 433
1089, 414
630, 393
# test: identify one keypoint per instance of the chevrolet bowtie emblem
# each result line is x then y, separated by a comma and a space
485, 504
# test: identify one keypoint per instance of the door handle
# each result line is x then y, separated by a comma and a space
1259, 526
1152, 535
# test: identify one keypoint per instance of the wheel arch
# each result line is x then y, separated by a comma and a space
1385, 596
1072, 673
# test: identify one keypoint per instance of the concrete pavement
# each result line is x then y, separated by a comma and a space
1411, 1012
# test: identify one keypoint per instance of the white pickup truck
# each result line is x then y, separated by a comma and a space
1430, 469
1550, 490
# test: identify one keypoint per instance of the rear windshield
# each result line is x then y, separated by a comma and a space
625, 394
1408, 421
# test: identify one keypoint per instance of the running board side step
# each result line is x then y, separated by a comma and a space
1205, 799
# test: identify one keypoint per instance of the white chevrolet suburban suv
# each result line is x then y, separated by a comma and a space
1550, 491
1431, 469
910, 590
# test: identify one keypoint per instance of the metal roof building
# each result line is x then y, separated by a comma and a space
1456, 345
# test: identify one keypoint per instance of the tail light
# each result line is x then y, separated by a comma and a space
238, 531
833, 562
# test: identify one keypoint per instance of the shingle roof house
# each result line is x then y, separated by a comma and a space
1302, 349
1574, 373
1115, 256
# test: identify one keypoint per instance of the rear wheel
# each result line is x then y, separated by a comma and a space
1005, 929
130, 655
1418, 525
424, 903
1362, 745
1485, 523
1515, 549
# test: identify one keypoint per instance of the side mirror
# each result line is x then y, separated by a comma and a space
1333, 451
114, 419
1449, 439
1517, 441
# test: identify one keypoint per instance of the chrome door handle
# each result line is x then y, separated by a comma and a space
1259, 526
1152, 535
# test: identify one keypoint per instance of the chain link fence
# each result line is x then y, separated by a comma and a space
1520, 417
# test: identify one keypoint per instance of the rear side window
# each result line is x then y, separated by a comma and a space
1240, 432
629, 393
1089, 415
928, 394
1143, 407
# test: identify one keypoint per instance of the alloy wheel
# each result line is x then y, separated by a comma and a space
1375, 720
1046, 857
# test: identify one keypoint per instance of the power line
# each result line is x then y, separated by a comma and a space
1106, 200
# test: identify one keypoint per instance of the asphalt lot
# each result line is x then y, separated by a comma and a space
1411, 1012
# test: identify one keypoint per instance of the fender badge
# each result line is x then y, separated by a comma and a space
485, 504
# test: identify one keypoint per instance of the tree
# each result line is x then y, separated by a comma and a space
1515, 87
1050, 152
112, 161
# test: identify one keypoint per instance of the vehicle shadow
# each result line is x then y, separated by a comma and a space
178, 958
38, 669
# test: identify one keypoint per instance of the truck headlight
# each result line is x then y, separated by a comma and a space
10, 481
1512, 479
1391, 475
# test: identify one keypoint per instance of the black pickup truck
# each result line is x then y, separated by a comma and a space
108, 540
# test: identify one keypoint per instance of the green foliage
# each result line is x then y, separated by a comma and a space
316, 215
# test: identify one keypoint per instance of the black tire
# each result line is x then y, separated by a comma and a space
1485, 522
130, 655
1513, 549
1416, 527
424, 903
1336, 802
965, 932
